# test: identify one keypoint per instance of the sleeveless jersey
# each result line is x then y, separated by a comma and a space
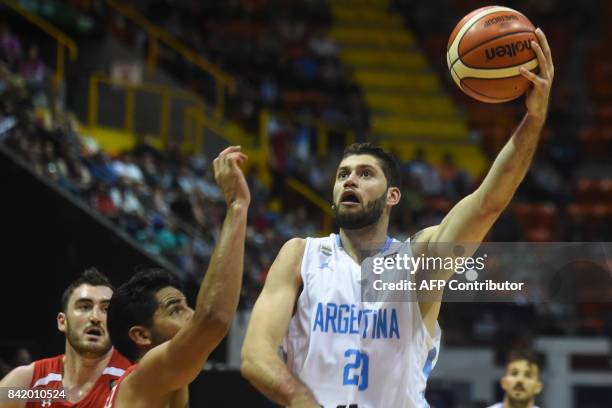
110, 401
352, 353
48, 373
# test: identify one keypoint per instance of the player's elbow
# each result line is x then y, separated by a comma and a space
493, 208
247, 364
247, 368
490, 205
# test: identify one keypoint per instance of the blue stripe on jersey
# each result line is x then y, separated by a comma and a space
429, 362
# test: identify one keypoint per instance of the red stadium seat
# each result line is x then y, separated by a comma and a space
439, 204
606, 188
589, 191
537, 219
595, 142
539, 235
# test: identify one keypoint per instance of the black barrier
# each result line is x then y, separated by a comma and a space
225, 389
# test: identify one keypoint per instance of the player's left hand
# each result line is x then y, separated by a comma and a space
230, 178
538, 93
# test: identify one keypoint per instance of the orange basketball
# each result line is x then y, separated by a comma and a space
486, 50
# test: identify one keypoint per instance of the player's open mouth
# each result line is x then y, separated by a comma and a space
349, 197
94, 331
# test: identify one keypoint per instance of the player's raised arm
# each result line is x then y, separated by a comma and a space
261, 364
18, 377
177, 362
473, 216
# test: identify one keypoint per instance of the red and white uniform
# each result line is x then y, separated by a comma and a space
49, 373
110, 401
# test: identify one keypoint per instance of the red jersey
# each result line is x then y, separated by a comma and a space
48, 373
110, 401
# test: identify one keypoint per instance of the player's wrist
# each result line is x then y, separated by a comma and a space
537, 117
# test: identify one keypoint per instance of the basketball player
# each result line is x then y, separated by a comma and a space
521, 381
89, 365
339, 351
151, 323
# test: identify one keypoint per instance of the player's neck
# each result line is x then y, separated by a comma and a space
508, 403
360, 243
80, 370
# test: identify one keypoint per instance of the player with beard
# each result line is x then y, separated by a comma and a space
149, 319
521, 382
339, 350
89, 365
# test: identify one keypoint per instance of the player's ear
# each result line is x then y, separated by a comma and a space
503, 383
394, 196
539, 387
61, 322
140, 335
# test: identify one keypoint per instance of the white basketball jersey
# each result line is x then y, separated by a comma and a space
350, 353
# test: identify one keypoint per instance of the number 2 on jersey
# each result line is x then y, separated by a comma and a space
352, 375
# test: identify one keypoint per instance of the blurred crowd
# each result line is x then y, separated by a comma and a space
278, 52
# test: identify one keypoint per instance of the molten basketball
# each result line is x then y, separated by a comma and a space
486, 50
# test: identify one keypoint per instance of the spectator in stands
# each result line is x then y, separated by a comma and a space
545, 183
10, 46
322, 45
257, 187
101, 200
33, 70
269, 92
427, 175
127, 170
456, 182
279, 160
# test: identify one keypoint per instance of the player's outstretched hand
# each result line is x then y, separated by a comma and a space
537, 95
229, 177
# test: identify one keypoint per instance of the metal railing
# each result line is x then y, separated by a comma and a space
64, 42
156, 35
310, 195
167, 95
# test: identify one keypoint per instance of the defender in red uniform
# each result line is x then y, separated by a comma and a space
150, 322
90, 366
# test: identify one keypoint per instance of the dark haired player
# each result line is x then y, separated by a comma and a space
151, 323
89, 365
340, 351
521, 382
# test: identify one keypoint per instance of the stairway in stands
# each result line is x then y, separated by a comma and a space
408, 104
